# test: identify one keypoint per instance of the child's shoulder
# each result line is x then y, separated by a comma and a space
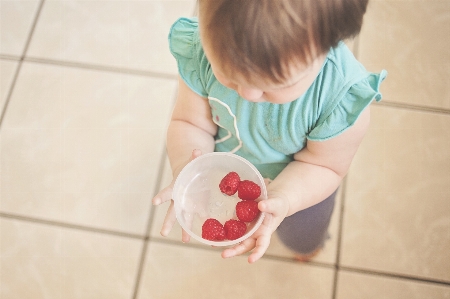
183, 34
343, 61
185, 46
348, 89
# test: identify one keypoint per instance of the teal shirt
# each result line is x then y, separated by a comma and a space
266, 134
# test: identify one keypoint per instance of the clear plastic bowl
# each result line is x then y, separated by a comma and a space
197, 196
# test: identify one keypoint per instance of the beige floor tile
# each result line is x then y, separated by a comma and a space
397, 215
16, 19
181, 272
83, 146
357, 286
130, 34
7, 72
40, 261
410, 40
276, 248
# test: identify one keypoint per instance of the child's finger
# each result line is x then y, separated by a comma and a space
163, 196
185, 237
261, 247
166, 193
273, 206
196, 153
169, 221
241, 248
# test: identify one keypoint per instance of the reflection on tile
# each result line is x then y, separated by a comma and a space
40, 261
410, 40
7, 72
357, 286
130, 34
83, 146
16, 18
181, 272
397, 215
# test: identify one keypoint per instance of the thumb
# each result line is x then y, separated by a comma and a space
274, 206
196, 153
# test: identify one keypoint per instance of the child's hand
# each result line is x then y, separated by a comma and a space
166, 195
276, 208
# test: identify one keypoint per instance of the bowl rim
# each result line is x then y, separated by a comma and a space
262, 197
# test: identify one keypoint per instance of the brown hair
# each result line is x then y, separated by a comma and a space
263, 37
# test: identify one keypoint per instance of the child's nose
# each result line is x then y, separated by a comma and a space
250, 94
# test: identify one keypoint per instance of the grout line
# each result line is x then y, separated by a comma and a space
340, 268
199, 246
33, 27
315, 264
140, 269
339, 237
397, 104
394, 275
113, 69
334, 290
413, 107
270, 257
9, 94
19, 66
104, 68
157, 186
71, 226
9, 57
148, 229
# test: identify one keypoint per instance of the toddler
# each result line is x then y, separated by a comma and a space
273, 82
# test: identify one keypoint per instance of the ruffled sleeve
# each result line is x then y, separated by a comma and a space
349, 107
185, 46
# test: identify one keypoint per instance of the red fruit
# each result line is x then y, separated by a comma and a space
213, 230
248, 190
247, 210
234, 229
229, 184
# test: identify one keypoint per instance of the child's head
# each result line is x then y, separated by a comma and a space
260, 40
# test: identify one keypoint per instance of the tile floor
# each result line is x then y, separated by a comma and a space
85, 92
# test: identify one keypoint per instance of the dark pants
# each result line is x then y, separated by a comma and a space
307, 230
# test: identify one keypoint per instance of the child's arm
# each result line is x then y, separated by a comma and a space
191, 127
317, 171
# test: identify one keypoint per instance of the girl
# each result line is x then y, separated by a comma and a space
272, 81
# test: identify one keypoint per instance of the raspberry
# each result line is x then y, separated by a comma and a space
247, 210
229, 184
213, 230
234, 229
248, 190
